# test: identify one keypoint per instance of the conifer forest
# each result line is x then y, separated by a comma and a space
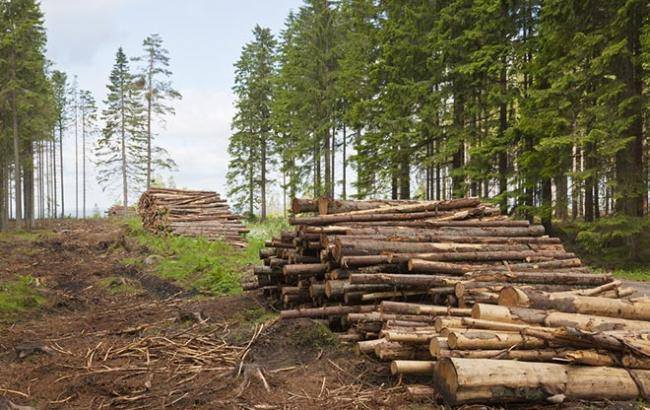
324, 204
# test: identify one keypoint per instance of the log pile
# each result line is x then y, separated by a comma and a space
118, 211
493, 308
190, 213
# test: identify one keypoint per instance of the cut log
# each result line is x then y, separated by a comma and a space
577, 279
554, 319
637, 309
368, 346
304, 269
299, 205
398, 351
491, 340
495, 381
326, 311
482, 256
420, 392
348, 218
420, 367
328, 206
405, 280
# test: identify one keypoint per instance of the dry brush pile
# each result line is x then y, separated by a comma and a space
190, 213
493, 309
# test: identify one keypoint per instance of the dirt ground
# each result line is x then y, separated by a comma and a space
109, 336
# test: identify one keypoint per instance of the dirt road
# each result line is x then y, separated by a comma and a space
108, 336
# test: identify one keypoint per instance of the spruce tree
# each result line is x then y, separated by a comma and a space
154, 78
251, 144
121, 150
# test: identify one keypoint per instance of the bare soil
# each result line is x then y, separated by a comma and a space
111, 336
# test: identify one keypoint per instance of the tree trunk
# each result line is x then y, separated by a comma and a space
263, 178
149, 97
17, 163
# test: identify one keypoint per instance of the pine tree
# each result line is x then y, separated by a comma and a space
121, 150
88, 113
153, 76
61, 109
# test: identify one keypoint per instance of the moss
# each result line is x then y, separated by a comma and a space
26, 236
19, 295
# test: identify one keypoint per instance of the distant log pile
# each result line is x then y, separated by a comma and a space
190, 213
493, 308
118, 211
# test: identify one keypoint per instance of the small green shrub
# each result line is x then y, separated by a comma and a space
611, 242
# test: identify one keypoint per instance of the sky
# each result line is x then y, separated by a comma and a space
204, 39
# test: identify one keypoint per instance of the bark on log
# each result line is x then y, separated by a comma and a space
482, 256
636, 309
577, 279
491, 340
406, 280
325, 311
554, 319
327, 206
396, 351
300, 205
304, 269
343, 218
491, 381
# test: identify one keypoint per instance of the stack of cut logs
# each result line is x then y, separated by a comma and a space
118, 211
190, 213
492, 308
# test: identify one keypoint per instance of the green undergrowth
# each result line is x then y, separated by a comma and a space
213, 267
616, 243
260, 232
19, 295
25, 236
318, 335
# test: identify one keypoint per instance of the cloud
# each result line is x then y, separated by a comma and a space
197, 138
78, 30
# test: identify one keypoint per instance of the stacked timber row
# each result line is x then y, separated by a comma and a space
494, 309
190, 213
118, 211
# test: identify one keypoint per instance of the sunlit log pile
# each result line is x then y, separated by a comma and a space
190, 213
491, 309
118, 211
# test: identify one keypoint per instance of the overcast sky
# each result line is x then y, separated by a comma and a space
204, 38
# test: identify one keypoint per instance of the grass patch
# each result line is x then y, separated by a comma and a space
117, 285
19, 295
213, 267
640, 273
260, 232
25, 236
317, 336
